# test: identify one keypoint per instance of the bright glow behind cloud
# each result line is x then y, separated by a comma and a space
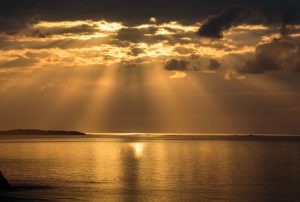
98, 76
88, 42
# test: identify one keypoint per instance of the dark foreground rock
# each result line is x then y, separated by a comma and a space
4, 184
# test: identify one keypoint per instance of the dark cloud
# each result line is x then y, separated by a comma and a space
279, 54
129, 11
13, 26
134, 34
213, 64
19, 62
183, 50
46, 32
16, 15
136, 51
282, 15
190, 63
215, 25
176, 65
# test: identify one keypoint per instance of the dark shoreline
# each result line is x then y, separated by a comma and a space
37, 132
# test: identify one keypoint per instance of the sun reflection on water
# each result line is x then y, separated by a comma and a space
138, 149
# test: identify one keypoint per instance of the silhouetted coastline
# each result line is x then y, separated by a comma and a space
4, 184
36, 132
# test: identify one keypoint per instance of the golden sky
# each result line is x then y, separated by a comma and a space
158, 76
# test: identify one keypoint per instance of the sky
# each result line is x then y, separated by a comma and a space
181, 66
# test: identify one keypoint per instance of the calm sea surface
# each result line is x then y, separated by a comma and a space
102, 169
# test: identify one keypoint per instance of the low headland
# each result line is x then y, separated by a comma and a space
36, 132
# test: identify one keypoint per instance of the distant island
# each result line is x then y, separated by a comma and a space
36, 132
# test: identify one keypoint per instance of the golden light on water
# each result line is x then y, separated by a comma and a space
138, 149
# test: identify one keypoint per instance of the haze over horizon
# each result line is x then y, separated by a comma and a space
188, 66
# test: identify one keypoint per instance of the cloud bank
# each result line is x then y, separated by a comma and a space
279, 54
215, 25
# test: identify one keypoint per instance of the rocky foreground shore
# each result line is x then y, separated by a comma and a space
4, 184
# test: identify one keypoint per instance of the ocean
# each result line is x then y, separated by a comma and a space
158, 169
